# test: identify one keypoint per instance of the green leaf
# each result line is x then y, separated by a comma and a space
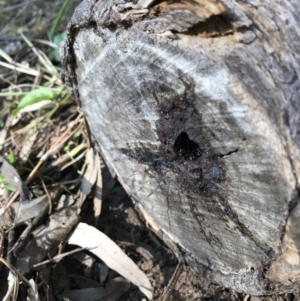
32, 97
10, 158
75, 150
57, 40
77, 133
5, 183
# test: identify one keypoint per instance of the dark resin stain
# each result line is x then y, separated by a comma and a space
184, 148
185, 151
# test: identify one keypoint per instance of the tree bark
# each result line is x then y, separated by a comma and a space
196, 106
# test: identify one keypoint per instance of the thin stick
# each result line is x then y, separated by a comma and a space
166, 294
57, 257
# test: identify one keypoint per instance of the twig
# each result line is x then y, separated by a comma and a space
166, 294
48, 195
57, 258
24, 237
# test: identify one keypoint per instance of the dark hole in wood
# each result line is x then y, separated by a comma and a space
215, 26
185, 147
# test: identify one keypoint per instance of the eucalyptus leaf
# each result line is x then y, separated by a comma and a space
33, 97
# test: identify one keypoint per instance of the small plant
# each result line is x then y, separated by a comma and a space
5, 184
58, 37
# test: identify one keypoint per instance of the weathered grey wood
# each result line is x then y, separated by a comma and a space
196, 106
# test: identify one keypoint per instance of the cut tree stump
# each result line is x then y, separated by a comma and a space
196, 107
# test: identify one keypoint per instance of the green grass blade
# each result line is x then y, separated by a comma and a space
75, 150
57, 21
5, 56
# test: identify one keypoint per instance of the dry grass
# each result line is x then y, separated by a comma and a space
48, 168
42, 132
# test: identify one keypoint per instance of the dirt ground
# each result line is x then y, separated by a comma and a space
119, 219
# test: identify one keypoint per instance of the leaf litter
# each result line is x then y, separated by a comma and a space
43, 191
56, 193
111, 254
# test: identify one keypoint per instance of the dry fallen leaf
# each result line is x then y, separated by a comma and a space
13, 287
84, 282
103, 247
32, 291
111, 292
98, 191
90, 175
13, 178
30, 209
46, 239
